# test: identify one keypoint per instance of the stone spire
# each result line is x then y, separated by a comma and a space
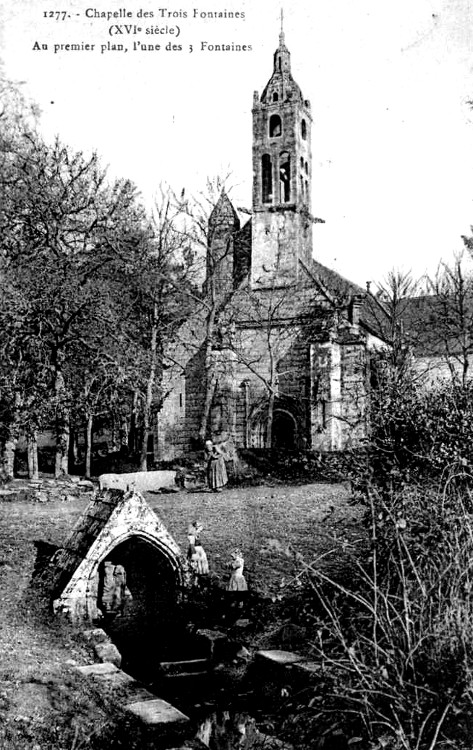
281, 82
282, 56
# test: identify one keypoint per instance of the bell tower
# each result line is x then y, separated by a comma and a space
282, 171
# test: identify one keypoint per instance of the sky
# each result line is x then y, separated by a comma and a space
389, 84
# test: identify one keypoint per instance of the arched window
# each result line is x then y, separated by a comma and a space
275, 126
306, 168
302, 163
285, 177
275, 97
304, 129
267, 178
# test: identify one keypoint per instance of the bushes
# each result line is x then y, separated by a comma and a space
396, 645
418, 432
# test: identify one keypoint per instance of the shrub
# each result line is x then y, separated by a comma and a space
396, 645
418, 432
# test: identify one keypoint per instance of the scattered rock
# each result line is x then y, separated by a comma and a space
277, 656
108, 652
96, 635
242, 624
8, 495
85, 484
243, 654
40, 496
68, 498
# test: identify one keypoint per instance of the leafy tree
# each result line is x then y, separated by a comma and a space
65, 229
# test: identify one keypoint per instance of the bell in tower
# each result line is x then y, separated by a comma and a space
282, 167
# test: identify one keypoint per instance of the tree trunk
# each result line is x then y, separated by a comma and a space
9, 457
88, 445
149, 396
9, 450
210, 377
74, 447
62, 427
32, 441
209, 394
269, 420
133, 431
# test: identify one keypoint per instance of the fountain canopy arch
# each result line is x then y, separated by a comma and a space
112, 519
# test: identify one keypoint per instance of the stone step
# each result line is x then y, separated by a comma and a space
139, 701
131, 689
98, 669
190, 665
156, 712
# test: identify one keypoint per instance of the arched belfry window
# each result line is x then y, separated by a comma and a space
285, 177
267, 178
275, 126
304, 129
275, 97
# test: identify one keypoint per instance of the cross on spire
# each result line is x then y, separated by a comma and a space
281, 35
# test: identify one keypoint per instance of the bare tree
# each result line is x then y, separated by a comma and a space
451, 328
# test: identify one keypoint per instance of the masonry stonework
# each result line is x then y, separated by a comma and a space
289, 337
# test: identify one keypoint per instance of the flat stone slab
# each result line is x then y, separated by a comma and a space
134, 690
275, 656
98, 669
156, 712
116, 678
140, 480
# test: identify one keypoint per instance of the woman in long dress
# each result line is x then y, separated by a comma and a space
216, 470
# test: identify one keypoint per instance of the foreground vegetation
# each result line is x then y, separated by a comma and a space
395, 645
43, 703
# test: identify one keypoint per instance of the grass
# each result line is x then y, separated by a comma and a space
43, 702
395, 644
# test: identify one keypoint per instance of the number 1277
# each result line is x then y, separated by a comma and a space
58, 15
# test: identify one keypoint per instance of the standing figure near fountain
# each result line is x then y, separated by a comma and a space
237, 588
216, 470
115, 592
237, 580
196, 553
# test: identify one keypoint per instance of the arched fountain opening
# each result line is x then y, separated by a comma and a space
145, 622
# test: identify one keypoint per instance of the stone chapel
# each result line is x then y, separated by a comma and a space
277, 355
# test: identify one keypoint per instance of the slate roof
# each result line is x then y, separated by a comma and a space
67, 558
